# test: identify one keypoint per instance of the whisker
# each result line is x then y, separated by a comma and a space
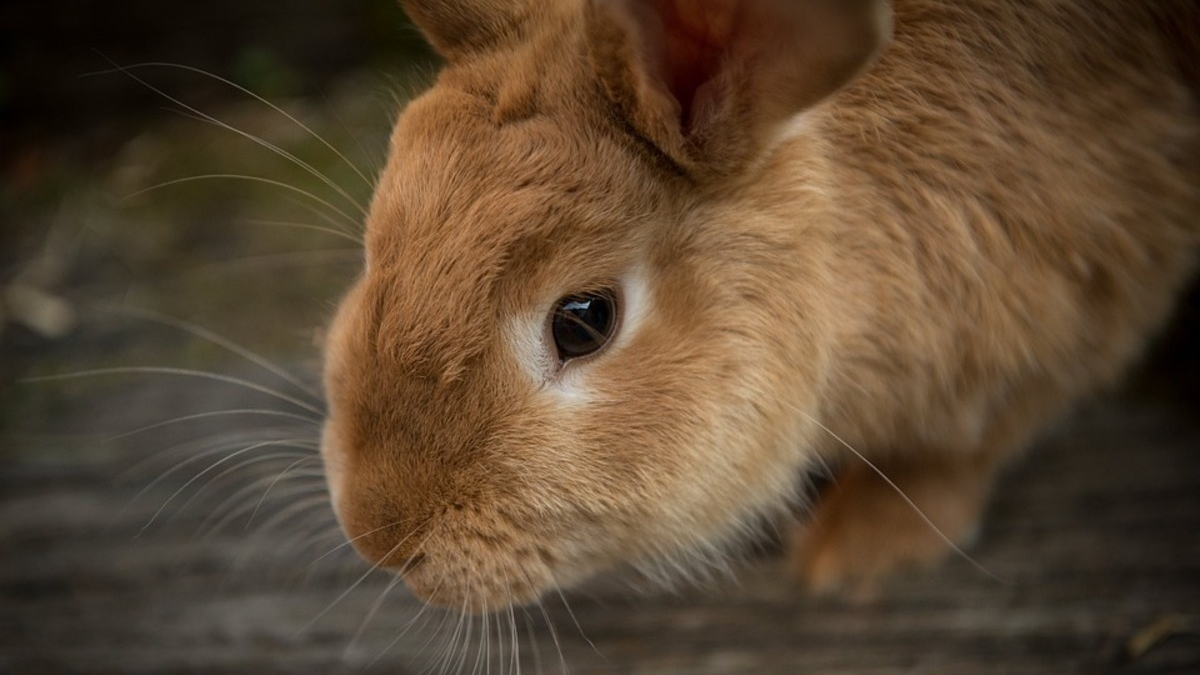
349, 220
515, 646
307, 226
486, 635
282, 521
447, 644
230, 510
259, 263
348, 542
896, 488
195, 450
236, 468
374, 609
463, 619
444, 646
319, 534
440, 630
157, 64
371, 156
408, 626
533, 641
179, 372
259, 412
575, 620
194, 114
203, 473
463, 644
501, 624
562, 659
334, 224
270, 479
281, 475
220, 341
317, 502
202, 448
376, 566
483, 653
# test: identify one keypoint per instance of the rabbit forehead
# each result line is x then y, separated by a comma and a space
473, 217
455, 172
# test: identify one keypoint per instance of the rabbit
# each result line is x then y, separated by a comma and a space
635, 268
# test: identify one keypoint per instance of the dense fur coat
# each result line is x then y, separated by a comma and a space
921, 235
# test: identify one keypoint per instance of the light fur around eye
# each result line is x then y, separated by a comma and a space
525, 335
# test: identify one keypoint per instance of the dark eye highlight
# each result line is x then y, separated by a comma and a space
583, 323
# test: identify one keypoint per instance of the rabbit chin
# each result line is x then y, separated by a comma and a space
482, 575
463, 569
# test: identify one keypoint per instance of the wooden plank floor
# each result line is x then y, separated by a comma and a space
1096, 536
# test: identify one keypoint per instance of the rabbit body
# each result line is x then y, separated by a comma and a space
897, 258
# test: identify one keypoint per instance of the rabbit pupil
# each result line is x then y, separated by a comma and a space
583, 323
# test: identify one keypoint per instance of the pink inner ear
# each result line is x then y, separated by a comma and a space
697, 38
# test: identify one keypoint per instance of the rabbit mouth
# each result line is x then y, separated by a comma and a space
479, 575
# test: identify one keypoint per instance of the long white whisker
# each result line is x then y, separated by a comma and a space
180, 372
438, 631
334, 224
562, 659
259, 412
575, 620
464, 625
205, 472
260, 99
349, 220
348, 542
287, 470
202, 449
444, 646
408, 626
483, 654
445, 650
260, 263
374, 609
464, 648
318, 501
229, 511
236, 468
222, 342
376, 566
303, 507
533, 641
307, 226
194, 114
515, 648
486, 634
896, 488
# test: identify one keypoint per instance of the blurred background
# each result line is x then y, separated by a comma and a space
79, 140
181, 194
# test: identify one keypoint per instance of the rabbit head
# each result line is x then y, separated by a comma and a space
581, 334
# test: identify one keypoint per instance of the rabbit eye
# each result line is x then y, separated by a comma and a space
582, 324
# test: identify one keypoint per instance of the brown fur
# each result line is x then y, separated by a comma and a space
933, 263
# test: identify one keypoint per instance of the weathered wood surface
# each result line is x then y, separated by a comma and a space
1096, 536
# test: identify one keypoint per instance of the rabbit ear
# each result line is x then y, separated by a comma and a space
710, 81
460, 27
